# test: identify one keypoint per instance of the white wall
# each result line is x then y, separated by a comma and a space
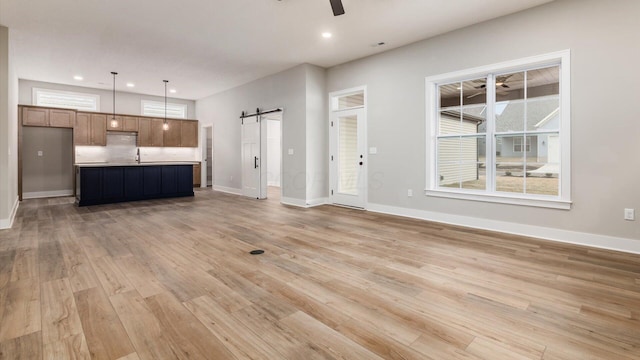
602, 36
286, 89
126, 102
317, 136
8, 131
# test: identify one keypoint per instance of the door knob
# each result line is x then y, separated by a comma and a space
360, 162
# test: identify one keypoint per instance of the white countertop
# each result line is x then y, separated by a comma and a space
154, 163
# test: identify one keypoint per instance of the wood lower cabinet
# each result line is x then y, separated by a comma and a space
189, 134
90, 129
172, 136
197, 170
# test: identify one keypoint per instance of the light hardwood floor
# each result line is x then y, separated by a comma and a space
169, 279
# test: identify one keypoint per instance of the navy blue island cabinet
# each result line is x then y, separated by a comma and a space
105, 184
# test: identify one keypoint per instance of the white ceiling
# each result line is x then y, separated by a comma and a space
207, 46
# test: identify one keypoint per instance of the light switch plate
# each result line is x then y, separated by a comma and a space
373, 150
290, 151
630, 214
39, 152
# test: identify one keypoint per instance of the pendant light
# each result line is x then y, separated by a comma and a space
165, 125
114, 121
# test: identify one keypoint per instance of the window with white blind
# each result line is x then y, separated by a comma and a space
66, 99
157, 109
500, 133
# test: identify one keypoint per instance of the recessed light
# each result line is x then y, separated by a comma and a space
78, 77
173, 91
131, 85
327, 35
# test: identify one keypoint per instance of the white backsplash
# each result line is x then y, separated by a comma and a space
121, 148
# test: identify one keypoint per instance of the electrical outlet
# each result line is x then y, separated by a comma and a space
290, 151
409, 192
630, 214
40, 153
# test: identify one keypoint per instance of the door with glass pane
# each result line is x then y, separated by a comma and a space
348, 158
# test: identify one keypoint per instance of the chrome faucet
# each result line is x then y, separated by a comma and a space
138, 155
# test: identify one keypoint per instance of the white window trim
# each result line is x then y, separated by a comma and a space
563, 201
336, 95
35, 91
184, 106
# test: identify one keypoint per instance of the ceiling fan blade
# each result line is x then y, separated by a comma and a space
505, 86
336, 6
480, 87
474, 95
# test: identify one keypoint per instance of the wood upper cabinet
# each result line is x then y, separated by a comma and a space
81, 129
62, 118
157, 133
90, 129
189, 135
144, 132
98, 129
150, 132
172, 135
129, 123
123, 123
118, 123
35, 116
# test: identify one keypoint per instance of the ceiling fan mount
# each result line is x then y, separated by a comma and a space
336, 6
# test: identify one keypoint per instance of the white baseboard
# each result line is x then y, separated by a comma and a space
560, 235
227, 189
293, 202
303, 203
8, 223
46, 194
317, 202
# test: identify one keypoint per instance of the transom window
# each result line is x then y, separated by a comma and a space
66, 99
501, 133
157, 109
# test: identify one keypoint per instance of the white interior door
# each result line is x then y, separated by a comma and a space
251, 157
348, 158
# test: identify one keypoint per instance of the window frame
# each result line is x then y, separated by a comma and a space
36, 91
185, 108
563, 199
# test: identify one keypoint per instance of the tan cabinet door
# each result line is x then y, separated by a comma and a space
157, 133
81, 129
129, 123
196, 175
61, 118
173, 133
98, 129
144, 132
189, 136
35, 116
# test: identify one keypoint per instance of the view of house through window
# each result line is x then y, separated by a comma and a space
500, 133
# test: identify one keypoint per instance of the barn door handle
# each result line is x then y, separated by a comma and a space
255, 162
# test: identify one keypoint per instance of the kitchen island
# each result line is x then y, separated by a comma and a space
105, 183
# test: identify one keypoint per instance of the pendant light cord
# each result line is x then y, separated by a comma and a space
165, 100
114, 94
